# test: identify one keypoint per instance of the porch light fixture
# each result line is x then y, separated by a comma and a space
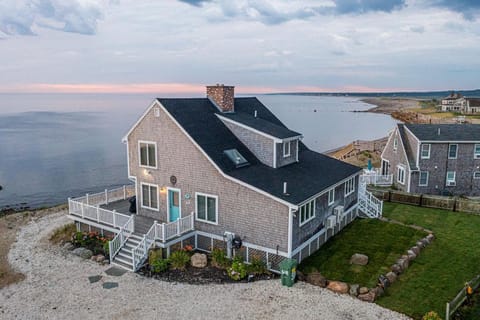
163, 190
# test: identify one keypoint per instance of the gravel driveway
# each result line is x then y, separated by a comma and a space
57, 287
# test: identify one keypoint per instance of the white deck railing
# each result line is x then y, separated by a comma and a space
167, 231
375, 178
88, 207
140, 252
117, 243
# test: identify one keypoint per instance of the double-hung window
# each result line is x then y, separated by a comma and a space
476, 153
423, 180
450, 178
452, 151
401, 174
425, 151
207, 208
307, 212
286, 149
148, 154
331, 196
349, 186
149, 196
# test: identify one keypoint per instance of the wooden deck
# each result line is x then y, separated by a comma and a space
142, 224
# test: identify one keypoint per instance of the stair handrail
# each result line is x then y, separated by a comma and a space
119, 240
140, 252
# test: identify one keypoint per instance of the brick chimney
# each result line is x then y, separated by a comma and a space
222, 96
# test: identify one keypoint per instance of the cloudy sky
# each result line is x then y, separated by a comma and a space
257, 45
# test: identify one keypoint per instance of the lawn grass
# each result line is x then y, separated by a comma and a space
382, 242
441, 270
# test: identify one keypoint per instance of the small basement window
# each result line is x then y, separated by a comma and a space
236, 157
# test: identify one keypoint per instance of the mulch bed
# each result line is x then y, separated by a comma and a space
205, 275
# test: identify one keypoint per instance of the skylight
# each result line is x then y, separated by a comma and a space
236, 157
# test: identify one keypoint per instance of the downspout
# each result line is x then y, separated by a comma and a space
290, 232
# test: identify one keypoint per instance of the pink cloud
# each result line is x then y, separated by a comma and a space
172, 88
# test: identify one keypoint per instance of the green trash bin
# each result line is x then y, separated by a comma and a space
288, 271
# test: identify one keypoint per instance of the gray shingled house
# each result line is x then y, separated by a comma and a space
221, 170
434, 158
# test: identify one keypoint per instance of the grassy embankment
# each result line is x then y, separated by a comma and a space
434, 278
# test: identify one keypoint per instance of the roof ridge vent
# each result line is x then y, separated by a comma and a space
438, 132
255, 113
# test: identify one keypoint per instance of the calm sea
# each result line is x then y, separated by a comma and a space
57, 146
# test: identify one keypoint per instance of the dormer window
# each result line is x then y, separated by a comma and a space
286, 149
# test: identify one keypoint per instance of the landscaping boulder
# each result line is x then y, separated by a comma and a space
415, 250
425, 242
403, 262
83, 253
199, 260
378, 291
391, 276
300, 276
363, 290
420, 244
354, 290
316, 279
430, 237
93, 258
383, 282
68, 246
397, 268
338, 287
100, 258
367, 297
411, 255
359, 259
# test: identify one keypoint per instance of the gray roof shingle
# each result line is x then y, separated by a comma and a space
313, 173
257, 123
446, 132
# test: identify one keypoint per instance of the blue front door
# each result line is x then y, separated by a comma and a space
173, 205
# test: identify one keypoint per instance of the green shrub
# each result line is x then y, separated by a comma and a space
159, 265
237, 271
154, 254
432, 315
106, 248
219, 260
257, 266
179, 259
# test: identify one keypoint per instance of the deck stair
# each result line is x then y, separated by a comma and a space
124, 257
369, 205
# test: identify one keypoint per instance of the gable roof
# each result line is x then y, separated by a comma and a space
407, 147
446, 132
266, 127
313, 173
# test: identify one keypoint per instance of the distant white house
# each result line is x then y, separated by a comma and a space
458, 103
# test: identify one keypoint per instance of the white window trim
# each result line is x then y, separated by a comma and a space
421, 150
475, 154
402, 168
332, 200
140, 154
351, 181
454, 179
456, 151
420, 179
475, 173
158, 196
287, 154
196, 208
314, 201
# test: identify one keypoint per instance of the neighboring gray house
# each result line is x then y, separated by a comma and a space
455, 102
434, 158
229, 170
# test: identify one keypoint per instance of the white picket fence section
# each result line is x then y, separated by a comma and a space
369, 205
167, 231
88, 207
